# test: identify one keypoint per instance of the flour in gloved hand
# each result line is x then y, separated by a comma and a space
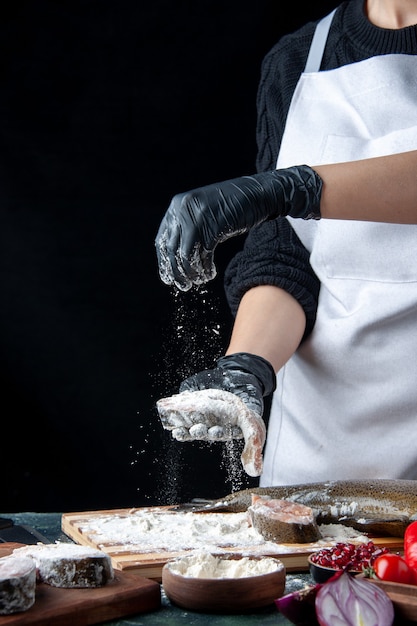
207, 413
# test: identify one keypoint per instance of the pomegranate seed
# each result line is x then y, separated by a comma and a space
348, 555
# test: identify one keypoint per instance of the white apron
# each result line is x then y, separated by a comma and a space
346, 403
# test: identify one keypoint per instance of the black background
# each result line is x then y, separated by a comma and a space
107, 109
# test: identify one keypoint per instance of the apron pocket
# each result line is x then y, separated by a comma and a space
366, 251
337, 148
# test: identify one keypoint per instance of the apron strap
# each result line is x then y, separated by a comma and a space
318, 44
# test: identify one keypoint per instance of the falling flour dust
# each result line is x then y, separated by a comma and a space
193, 341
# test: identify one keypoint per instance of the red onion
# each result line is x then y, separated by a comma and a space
347, 600
299, 606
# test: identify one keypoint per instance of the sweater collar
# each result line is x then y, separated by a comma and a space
367, 37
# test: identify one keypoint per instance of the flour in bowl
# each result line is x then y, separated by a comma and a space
202, 564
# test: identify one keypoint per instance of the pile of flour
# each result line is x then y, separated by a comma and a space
202, 564
148, 530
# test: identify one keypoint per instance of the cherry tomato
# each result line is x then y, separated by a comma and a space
394, 568
410, 545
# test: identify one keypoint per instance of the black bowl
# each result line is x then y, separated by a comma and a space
321, 574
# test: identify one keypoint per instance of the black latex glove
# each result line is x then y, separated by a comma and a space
246, 375
198, 220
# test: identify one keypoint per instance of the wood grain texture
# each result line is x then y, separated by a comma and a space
404, 598
127, 594
135, 558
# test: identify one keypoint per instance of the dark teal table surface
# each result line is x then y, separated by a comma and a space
49, 525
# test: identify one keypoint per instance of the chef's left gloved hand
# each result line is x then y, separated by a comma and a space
198, 220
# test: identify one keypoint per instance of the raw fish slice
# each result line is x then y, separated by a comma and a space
283, 521
214, 414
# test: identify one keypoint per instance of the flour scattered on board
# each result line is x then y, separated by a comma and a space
154, 530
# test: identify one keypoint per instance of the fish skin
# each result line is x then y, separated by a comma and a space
375, 506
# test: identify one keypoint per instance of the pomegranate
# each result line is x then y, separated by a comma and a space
348, 556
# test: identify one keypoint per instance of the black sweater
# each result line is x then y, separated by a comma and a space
272, 253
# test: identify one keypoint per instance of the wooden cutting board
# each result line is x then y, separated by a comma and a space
404, 599
127, 594
137, 560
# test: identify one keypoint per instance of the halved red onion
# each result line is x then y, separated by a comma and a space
347, 600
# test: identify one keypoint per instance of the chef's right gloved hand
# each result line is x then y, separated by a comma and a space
247, 376
198, 220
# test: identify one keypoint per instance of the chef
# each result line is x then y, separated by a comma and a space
324, 291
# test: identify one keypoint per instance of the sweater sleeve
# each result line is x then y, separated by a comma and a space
273, 255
